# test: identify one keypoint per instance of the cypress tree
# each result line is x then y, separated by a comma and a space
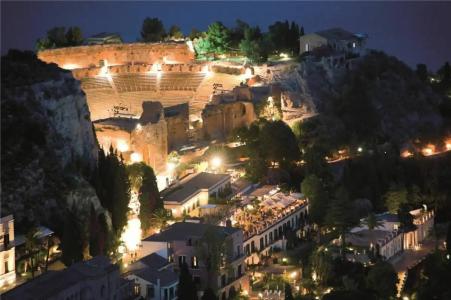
186, 288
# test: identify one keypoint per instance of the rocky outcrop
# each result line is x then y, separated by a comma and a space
48, 142
358, 90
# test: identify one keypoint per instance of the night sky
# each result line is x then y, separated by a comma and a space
414, 32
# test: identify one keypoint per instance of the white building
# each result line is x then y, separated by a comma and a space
7, 251
154, 278
336, 39
97, 278
195, 191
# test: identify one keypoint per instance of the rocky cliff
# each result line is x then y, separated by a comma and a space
375, 95
49, 148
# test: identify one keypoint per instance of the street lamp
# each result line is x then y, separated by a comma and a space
216, 162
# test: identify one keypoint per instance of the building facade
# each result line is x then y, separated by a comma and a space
335, 38
96, 278
180, 244
154, 278
7, 251
195, 191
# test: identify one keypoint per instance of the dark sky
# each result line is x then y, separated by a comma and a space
415, 32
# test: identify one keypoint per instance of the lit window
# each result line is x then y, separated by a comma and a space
353, 45
307, 47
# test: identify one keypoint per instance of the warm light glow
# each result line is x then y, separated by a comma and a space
293, 275
428, 150
244, 293
284, 259
283, 55
136, 157
131, 236
248, 73
405, 298
139, 127
448, 144
122, 146
215, 162
70, 66
190, 46
406, 153
360, 149
171, 167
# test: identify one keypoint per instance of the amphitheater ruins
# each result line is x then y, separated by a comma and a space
149, 99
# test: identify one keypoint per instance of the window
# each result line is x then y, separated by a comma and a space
6, 267
171, 293
194, 263
165, 293
307, 48
189, 242
182, 260
353, 45
239, 271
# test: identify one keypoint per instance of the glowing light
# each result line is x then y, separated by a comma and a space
293, 275
136, 157
244, 293
448, 145
360, 149
283, 55
170, 166
131, 236
260, 295
190, 46
139, 127
216, 162
70, 66
284, 260
248, 73
428, 150
405, 298
122, 146
406, 153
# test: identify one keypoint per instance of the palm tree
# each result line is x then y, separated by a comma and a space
32, 247
372, 222
160, 218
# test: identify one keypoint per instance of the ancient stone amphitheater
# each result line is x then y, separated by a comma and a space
118, 78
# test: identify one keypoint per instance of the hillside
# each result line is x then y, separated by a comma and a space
48, 146
378, 98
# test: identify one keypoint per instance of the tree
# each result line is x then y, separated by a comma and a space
314, 191
340, 215
216, 40
210, 250
372, 222
113, 187
186, 288
144, 183
288, 293
279, 143
58, 37
152, 30
321, 266
237, 33
160, 218
175, 33
194, 34
74, 36
32, 245
395, 197
448, 239
382, 279
422, 72
209, 294
253, 46
72, 240
445, 73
